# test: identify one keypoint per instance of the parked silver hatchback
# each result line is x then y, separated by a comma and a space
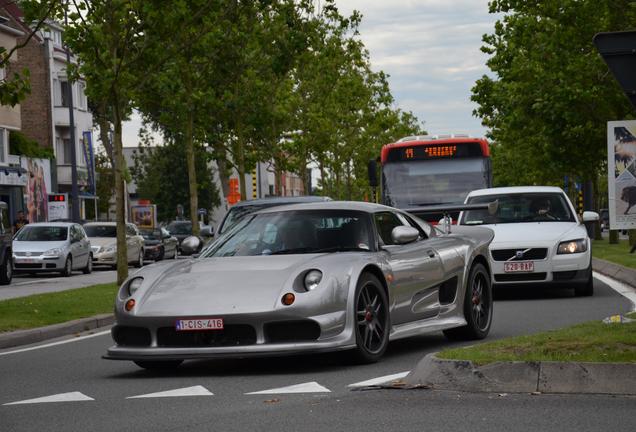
52, 247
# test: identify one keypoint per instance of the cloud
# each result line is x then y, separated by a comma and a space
431, 51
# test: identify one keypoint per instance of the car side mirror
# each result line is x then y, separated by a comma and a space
207, 231
190, 245
590, 216
404, 234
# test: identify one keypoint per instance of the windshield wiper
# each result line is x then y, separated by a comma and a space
340, 249
290, 251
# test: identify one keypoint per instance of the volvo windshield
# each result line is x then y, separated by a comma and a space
520, 207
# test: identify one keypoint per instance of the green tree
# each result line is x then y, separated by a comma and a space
547, 104
166, 191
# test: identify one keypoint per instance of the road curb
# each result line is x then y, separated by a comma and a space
30, 336
523, 377
615, 271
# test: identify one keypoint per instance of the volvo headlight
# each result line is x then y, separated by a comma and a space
133, 285
312, 279
55, 252
572, 246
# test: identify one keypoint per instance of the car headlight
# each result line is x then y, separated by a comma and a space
56, 252
572, 246
133, 285
109, 249
312, 279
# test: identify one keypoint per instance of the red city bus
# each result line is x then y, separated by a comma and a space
421, 171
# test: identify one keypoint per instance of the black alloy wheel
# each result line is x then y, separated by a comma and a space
477, 306
371, 319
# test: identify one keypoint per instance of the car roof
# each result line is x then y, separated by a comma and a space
270, 201
515, 189
54, 224
331, 205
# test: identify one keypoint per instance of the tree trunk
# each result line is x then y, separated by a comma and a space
122, 249
192, 173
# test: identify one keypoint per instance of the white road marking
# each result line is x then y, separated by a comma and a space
308, 387
55, 343
186, 391
379, 380
62, 397
619, 287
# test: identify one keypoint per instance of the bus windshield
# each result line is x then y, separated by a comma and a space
432, 182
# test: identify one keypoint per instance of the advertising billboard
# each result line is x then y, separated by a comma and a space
621, 173
144, 216
37, 188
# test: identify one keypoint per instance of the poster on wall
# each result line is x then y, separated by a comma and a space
144, 216
621, 170
37, 188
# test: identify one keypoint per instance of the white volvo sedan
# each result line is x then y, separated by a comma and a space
538, 237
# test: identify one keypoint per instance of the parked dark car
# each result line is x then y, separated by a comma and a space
159, 244
241, 209
6, 266
181, 229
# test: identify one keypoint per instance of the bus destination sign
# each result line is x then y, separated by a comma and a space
434, 151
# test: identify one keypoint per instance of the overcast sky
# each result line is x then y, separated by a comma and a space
430, 49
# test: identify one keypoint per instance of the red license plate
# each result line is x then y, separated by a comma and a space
519, 266
199, 324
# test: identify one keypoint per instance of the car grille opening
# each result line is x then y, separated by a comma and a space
231, 335
50, 265
564, 275
131, 336
27, 265
507, 254
448, 290
520, 277
291, 331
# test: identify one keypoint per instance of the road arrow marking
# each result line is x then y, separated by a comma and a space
62, 397
380, 380
186, 391
308, 387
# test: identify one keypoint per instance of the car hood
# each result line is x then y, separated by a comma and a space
531, 233
36, 246
153, 242
103, 241
225, 285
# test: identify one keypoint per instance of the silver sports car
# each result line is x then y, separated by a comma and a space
308, 278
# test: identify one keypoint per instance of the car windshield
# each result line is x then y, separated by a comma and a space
150, 234
42, 233
295, 232
179, 228
520, 207
422, 183
101, 230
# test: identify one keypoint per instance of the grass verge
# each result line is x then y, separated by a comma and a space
53, 308
592, 341
616, 253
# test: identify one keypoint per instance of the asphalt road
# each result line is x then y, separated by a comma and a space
222, 403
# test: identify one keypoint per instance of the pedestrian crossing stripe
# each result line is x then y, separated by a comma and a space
61, 397
308, 387
181, 392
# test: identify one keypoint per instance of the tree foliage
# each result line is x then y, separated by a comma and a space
551, 95
156, 172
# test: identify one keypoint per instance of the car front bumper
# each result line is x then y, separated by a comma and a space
553, 269
105, 258
38, 263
